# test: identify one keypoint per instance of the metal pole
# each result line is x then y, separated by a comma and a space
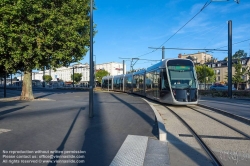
91, 62
43, 77
95, 71
123, 66
230, 59
73, 77
205, 71
4, 91
163, 52
10, 79
94, 74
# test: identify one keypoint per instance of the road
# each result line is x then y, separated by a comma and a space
58, 122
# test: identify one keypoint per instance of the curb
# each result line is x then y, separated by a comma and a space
161, 126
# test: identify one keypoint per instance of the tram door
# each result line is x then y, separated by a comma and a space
156, 83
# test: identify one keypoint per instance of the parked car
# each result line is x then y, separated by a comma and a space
220, 87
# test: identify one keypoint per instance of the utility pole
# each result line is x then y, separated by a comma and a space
11, 79
5, 77
123, 66
163, 52
91, 96
230, 59
205, 70
73, 77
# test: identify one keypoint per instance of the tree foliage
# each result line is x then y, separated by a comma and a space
239, 54
47, 78
77, 77
239, 73
50, 33
100, 74
203, 72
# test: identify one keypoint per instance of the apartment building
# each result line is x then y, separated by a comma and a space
64, 73
220, 67
221, 70
113, 68
198, 58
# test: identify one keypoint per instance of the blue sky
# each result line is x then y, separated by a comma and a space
126, 28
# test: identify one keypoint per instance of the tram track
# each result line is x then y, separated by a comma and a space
236, 117
198, 139
210, 141
227, 125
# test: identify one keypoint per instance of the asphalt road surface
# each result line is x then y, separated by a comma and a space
56, 127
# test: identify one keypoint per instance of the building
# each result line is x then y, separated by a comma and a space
64, 73
112, 67
220, 67
198, 58
221, 70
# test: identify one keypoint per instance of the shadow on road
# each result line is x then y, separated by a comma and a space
61, 147
11, 110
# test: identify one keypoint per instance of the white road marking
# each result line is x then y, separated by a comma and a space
4, 131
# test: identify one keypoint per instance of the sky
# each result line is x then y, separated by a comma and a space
127, 28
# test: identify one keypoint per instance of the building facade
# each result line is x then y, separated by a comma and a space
64, 73
220, 67
198, 58
221, 70
112, 67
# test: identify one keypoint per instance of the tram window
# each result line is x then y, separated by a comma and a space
182, 78
164, 81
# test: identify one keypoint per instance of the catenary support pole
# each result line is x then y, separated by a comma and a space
230, 59
123, 66
4, 91
91, 62
163, 52
73, 77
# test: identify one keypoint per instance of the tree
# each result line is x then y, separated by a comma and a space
47, 78
203, 72
239, 54
100, 74
239, 73
37, 34
77, 77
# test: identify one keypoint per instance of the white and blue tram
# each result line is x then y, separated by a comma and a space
171, 81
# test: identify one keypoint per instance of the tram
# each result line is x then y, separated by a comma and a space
171, 81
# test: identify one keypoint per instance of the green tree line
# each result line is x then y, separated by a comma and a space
38, 34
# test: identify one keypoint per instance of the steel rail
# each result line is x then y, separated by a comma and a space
236, 117
198, 139
225, 124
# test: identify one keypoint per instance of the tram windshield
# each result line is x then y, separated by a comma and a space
182, 76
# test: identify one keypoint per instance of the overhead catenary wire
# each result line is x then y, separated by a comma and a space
204, 6
218, 32
235, 43
203, 33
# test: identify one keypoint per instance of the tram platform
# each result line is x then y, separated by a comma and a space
173, 148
